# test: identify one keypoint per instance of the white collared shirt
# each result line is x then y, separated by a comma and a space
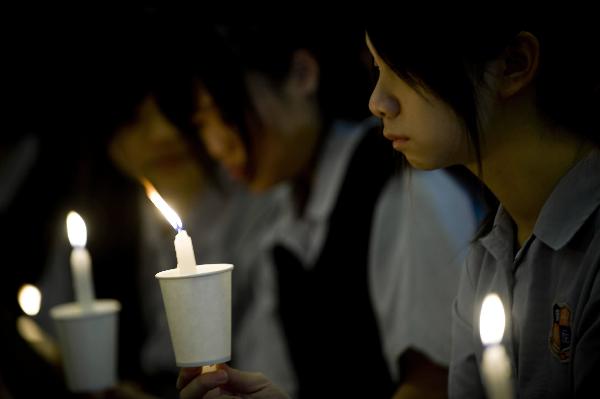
550, 290
422, 226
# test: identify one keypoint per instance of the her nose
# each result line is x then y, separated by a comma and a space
383, 105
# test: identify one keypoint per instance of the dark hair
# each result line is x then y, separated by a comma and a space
447, 56
225, 53
146, 59
141, 56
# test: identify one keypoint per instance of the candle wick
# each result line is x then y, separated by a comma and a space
179, 229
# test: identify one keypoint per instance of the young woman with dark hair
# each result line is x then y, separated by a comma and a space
513, 99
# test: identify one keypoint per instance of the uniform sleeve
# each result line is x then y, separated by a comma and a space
464, 380
586, 359
421, 232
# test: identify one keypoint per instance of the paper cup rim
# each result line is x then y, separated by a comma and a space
73, 310
201, 270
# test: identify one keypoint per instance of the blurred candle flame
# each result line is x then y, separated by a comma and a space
491, 320
30, 299
162, 206
76, 229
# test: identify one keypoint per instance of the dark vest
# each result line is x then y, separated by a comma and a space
326, 311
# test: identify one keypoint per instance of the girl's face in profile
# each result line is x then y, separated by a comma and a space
280, 130
151, 147
257, 165
420, 125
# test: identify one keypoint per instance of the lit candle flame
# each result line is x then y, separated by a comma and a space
30, 299
76, 229
491, 320
162, 206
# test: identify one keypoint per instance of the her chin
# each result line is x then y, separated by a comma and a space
422, 164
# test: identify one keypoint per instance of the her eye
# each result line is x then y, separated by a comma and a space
375, 63
374, 74
376, 66
375, 70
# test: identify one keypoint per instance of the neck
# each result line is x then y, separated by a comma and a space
303, 179
525, 166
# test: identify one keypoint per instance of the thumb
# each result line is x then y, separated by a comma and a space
186, 375
243, 381
202, 384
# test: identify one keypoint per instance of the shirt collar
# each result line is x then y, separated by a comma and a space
573, 200
571, 203
500, 240
305, 236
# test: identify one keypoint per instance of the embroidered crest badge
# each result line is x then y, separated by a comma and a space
560, 335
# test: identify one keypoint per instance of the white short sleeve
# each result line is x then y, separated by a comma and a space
422, 227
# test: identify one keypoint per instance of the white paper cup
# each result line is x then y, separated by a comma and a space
88, 344
198, 308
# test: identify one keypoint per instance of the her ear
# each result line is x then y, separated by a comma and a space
521, 62
303, 77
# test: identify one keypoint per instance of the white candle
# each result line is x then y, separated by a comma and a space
495, 365
186, 261
184, 250
81, 262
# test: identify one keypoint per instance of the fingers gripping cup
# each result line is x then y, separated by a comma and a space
198, 307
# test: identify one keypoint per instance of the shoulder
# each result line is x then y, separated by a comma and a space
587, 240
438, 184
419, 211
429, 196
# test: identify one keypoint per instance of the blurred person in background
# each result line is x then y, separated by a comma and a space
143, 140
349, 277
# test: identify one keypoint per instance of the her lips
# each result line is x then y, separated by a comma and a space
236, 172
394, 137
399, 143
